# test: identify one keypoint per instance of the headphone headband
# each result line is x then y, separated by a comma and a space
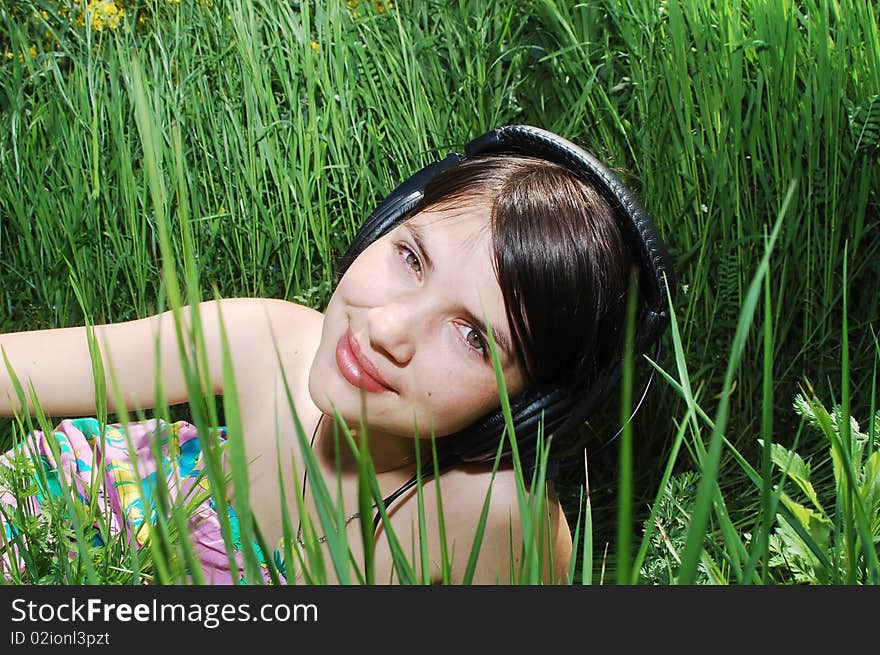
557, 408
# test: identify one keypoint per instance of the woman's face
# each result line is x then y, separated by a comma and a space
405, 329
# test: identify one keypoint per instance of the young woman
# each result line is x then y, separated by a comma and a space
526, 237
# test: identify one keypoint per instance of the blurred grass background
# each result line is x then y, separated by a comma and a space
296, 118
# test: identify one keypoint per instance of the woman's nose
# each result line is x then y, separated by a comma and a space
392, 331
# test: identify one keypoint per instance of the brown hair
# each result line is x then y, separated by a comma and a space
559, 259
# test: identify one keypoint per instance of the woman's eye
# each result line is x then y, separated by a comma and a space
472, 338
475, 339
411, 260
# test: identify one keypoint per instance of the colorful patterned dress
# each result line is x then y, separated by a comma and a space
107, 479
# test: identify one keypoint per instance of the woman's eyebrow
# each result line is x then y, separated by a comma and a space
500, 338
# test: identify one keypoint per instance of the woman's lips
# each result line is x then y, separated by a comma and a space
356, 368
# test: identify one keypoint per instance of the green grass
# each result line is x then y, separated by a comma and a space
242, 150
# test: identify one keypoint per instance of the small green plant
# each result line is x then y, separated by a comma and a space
822, 545
671, 521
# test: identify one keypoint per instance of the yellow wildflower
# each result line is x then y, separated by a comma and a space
104, 13
11, 55
316, 46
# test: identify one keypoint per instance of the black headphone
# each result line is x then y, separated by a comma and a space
560, 411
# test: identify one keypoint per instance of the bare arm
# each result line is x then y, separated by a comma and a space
59, 366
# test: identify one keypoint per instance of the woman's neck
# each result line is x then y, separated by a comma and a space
388, 452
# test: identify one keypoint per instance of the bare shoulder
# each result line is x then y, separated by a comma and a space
266, 336
298, 326
464, 491
272, 320
294, 311
278, 311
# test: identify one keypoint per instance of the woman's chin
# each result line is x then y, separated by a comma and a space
333, 395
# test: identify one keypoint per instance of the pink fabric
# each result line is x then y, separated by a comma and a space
125, 489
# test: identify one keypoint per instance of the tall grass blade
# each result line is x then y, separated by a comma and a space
624, 485
706, 488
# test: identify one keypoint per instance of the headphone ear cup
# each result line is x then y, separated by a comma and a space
479, 443
555, 411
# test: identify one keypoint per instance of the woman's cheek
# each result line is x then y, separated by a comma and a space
460, 396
